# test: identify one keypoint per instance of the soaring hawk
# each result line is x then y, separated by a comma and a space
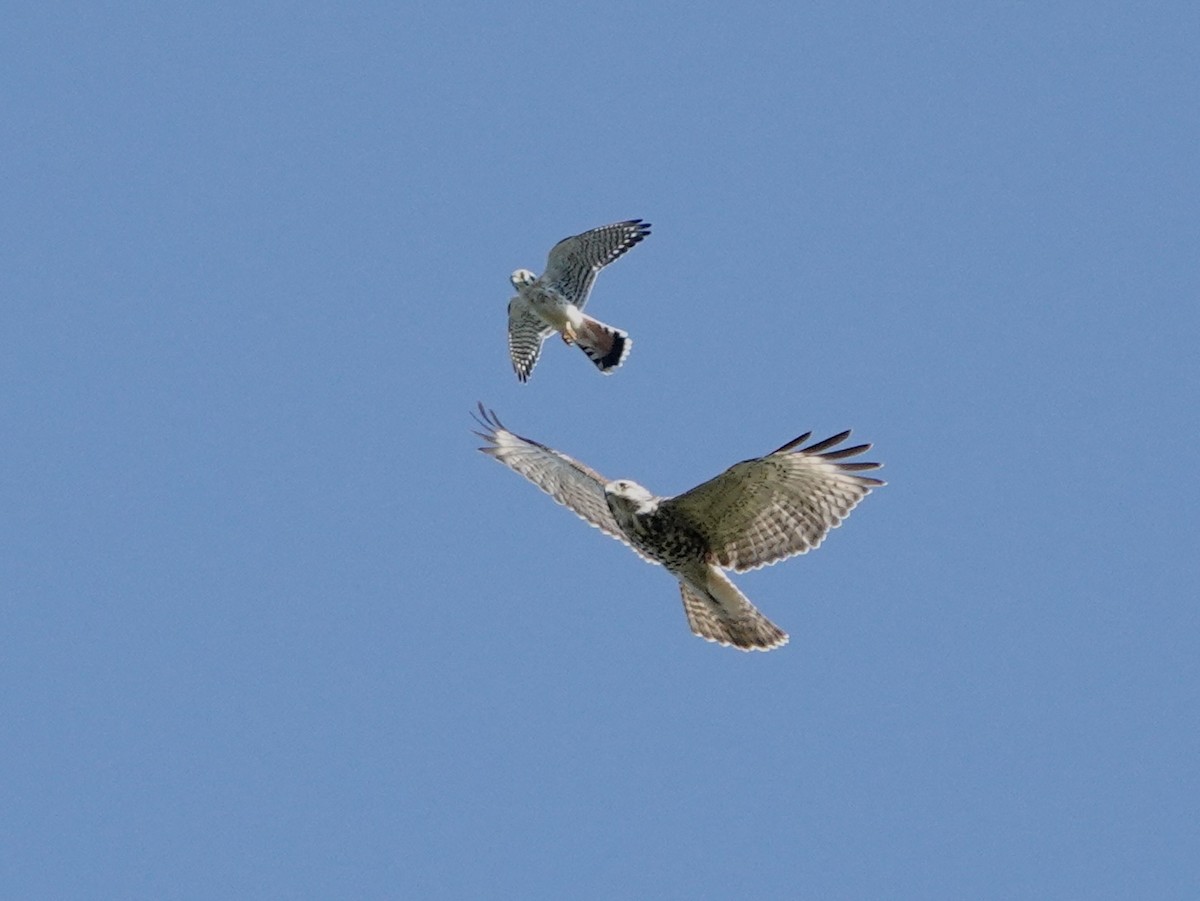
755, 513
554, 301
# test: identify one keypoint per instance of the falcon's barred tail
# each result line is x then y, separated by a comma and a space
724, 615
605, 346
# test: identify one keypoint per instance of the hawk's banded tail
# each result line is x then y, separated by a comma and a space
724, 615
604, 345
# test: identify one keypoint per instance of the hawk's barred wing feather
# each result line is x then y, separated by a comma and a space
571, 483
795, 442
770, 508
573, 262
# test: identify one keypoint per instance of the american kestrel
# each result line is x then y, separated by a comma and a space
757, 512
554, 301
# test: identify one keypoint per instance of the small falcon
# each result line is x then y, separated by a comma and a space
554, 301
757, 512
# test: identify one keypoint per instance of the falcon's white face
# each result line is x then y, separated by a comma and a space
630, 497
522, 278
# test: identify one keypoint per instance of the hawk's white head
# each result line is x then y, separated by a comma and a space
522, 278
628, 497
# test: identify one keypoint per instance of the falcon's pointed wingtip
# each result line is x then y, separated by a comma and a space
639, 229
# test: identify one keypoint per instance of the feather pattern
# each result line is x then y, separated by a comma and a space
727, 616
575, 485
526, 334
767, 509
574, 262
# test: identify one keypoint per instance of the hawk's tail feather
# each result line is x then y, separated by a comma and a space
604, 345
723, 614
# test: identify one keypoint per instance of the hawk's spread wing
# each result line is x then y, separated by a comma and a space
526, 332
764, 510
574, 262
568, 481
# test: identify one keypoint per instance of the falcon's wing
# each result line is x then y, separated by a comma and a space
574, 262
526, 332
568, 481
764, 510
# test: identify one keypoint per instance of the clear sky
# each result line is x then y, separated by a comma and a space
273, 628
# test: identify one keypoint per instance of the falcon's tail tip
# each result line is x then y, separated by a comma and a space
604, 345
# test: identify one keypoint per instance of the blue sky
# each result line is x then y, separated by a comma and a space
273, 628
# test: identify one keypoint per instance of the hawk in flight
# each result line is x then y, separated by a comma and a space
757, 512
554, 301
